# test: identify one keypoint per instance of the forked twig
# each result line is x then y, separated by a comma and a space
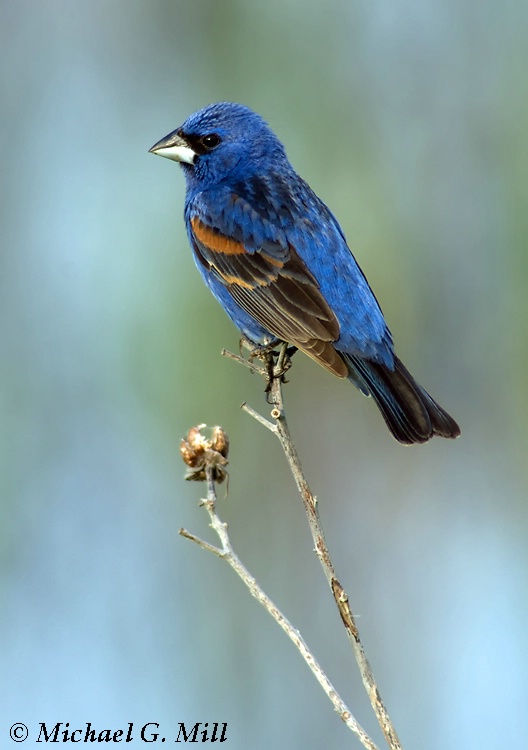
207, 460
226, 552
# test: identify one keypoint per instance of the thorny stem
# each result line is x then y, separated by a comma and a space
227, 553
280, 428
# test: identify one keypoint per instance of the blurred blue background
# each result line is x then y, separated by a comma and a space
410, 120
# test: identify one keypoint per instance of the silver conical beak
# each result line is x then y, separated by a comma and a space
174, 147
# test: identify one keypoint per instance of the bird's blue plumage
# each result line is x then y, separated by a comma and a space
277, 260
278, 211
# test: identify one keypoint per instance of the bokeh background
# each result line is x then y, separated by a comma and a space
410, 119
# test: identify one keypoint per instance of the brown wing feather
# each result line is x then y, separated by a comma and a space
282, 295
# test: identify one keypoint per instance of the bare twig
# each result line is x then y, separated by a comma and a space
227, 553
281, 430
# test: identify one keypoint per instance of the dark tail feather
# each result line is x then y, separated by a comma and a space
410, 413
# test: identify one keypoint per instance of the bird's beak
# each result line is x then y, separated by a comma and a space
174, 147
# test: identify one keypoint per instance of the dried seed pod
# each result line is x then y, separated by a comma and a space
199, 453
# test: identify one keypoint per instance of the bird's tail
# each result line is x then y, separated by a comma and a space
409, 411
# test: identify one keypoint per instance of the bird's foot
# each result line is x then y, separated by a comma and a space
278, 364
283, 363
275, 356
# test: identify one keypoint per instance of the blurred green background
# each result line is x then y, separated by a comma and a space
410, 119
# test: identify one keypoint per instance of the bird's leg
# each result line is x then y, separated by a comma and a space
284, 362
278, 364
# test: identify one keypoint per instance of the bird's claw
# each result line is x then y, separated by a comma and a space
278, 364
275, 356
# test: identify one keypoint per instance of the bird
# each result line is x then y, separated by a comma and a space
275, 257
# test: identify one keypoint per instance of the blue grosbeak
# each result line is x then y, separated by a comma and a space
276, 259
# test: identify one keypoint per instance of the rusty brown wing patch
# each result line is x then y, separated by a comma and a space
278, 291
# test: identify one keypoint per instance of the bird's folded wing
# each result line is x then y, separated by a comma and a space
275, 287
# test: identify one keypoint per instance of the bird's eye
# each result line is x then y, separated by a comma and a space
210, 141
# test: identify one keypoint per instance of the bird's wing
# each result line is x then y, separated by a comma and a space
268, 279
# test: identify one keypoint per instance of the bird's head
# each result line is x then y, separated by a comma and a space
223, 141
